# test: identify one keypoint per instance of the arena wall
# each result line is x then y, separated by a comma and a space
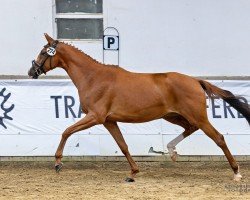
199, 38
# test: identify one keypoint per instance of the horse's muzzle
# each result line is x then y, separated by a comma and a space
32, 73
36, 70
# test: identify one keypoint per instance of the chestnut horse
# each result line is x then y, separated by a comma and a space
109, 94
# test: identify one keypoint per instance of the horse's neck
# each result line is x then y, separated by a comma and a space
81, 68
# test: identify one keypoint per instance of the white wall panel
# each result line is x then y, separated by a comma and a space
195, 37
22, 26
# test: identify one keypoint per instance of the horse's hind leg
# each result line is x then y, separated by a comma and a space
114, 130
218, 138
189, 129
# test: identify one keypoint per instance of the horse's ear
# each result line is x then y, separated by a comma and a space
48, 38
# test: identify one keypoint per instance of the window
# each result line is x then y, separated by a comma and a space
79, 19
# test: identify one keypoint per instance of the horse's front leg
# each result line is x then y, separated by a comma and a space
88, 121
114, 130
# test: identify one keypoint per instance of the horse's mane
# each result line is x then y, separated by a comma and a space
88, 56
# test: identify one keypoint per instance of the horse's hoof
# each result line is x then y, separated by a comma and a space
237, 177
58, 167
129, 180
174, 156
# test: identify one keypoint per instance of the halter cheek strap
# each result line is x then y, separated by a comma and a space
50, 52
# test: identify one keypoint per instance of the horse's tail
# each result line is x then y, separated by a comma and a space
230, 98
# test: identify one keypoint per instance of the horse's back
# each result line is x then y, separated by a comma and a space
144, 97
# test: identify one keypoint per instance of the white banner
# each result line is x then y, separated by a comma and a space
34, 113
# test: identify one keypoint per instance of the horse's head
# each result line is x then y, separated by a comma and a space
46, 60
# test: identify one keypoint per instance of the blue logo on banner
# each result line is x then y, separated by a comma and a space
5, 111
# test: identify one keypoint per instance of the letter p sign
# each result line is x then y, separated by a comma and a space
110, 42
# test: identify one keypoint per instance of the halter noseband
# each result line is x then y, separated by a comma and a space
50, 52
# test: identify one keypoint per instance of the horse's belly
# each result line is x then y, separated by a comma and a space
138, 116
141, 101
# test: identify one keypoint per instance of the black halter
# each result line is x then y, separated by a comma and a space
39, 68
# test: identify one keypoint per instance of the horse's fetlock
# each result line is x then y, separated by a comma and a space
58, 156
236, 168
135, 171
